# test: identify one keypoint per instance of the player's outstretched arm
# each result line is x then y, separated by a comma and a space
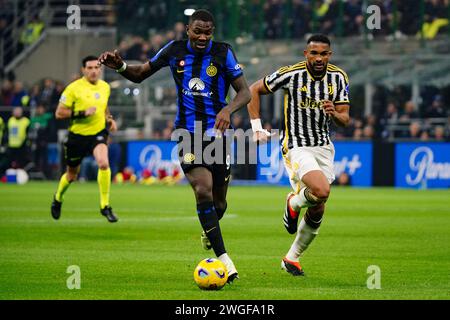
256, 90
136, 73
241, 99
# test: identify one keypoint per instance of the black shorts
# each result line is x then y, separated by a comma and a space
214, 155
79, 146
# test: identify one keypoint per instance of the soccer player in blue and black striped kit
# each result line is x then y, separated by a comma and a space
203, 70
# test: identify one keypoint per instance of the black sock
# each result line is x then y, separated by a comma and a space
221, 212
210, 224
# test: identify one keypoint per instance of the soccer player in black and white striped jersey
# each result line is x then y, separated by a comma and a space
315, 93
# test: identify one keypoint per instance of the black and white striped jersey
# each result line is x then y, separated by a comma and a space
305, 122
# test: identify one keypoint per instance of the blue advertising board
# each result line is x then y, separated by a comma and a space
354, 158
422, 165
152, 155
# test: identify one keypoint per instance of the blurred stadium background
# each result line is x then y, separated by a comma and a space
399, 76
398, 138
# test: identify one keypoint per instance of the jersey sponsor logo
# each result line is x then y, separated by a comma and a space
309, 103
196, 84
211, 70
237, 67
100, 138
346, 89
188, 158
63, 98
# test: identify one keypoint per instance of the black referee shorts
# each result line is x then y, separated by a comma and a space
79, 146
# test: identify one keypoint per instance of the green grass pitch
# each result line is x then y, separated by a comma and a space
152, 251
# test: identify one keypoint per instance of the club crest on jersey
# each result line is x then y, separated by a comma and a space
196, 84
211, 70
181, 63
330, 89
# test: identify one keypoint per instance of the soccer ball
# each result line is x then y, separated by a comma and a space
210, 274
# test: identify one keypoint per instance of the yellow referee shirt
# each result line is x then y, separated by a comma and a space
80, 95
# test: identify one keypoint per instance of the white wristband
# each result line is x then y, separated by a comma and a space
256, 125
122, 68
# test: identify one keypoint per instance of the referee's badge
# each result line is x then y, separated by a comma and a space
97, 95
211, 71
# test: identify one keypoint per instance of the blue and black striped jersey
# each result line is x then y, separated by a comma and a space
202, 79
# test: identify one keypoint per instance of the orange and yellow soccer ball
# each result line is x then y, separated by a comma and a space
210, 274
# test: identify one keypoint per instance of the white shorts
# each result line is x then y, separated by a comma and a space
301, 160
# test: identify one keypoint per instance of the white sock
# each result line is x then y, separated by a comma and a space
299, 201
305, 235
228, 263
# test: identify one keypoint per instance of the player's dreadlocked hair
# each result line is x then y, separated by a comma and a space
319, 38
203, 15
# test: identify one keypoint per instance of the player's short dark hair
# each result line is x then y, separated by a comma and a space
86, 59
203, 15
319, 38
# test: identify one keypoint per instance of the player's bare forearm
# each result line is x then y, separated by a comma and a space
256, 90
137, 73
242, 95
134, 73
341, 116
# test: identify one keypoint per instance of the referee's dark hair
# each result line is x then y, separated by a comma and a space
319, 38
203, 15
88, 58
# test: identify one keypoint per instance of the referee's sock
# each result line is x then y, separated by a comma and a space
63, 185
210, 224
104, 185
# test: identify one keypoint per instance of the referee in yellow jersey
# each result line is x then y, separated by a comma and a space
85, 102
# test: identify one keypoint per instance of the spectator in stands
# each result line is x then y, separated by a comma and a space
409, 112
409, 17
35, 94
18, 153
369, 132
439, 133
415, 130
301, 13
49, 97
40, 134
424, 135
358, 134
353, 17
2, 130
328, 12
436, 110
167, 131
32, 31
436, 17
180, 30
7, 93
273, 13
20, 97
